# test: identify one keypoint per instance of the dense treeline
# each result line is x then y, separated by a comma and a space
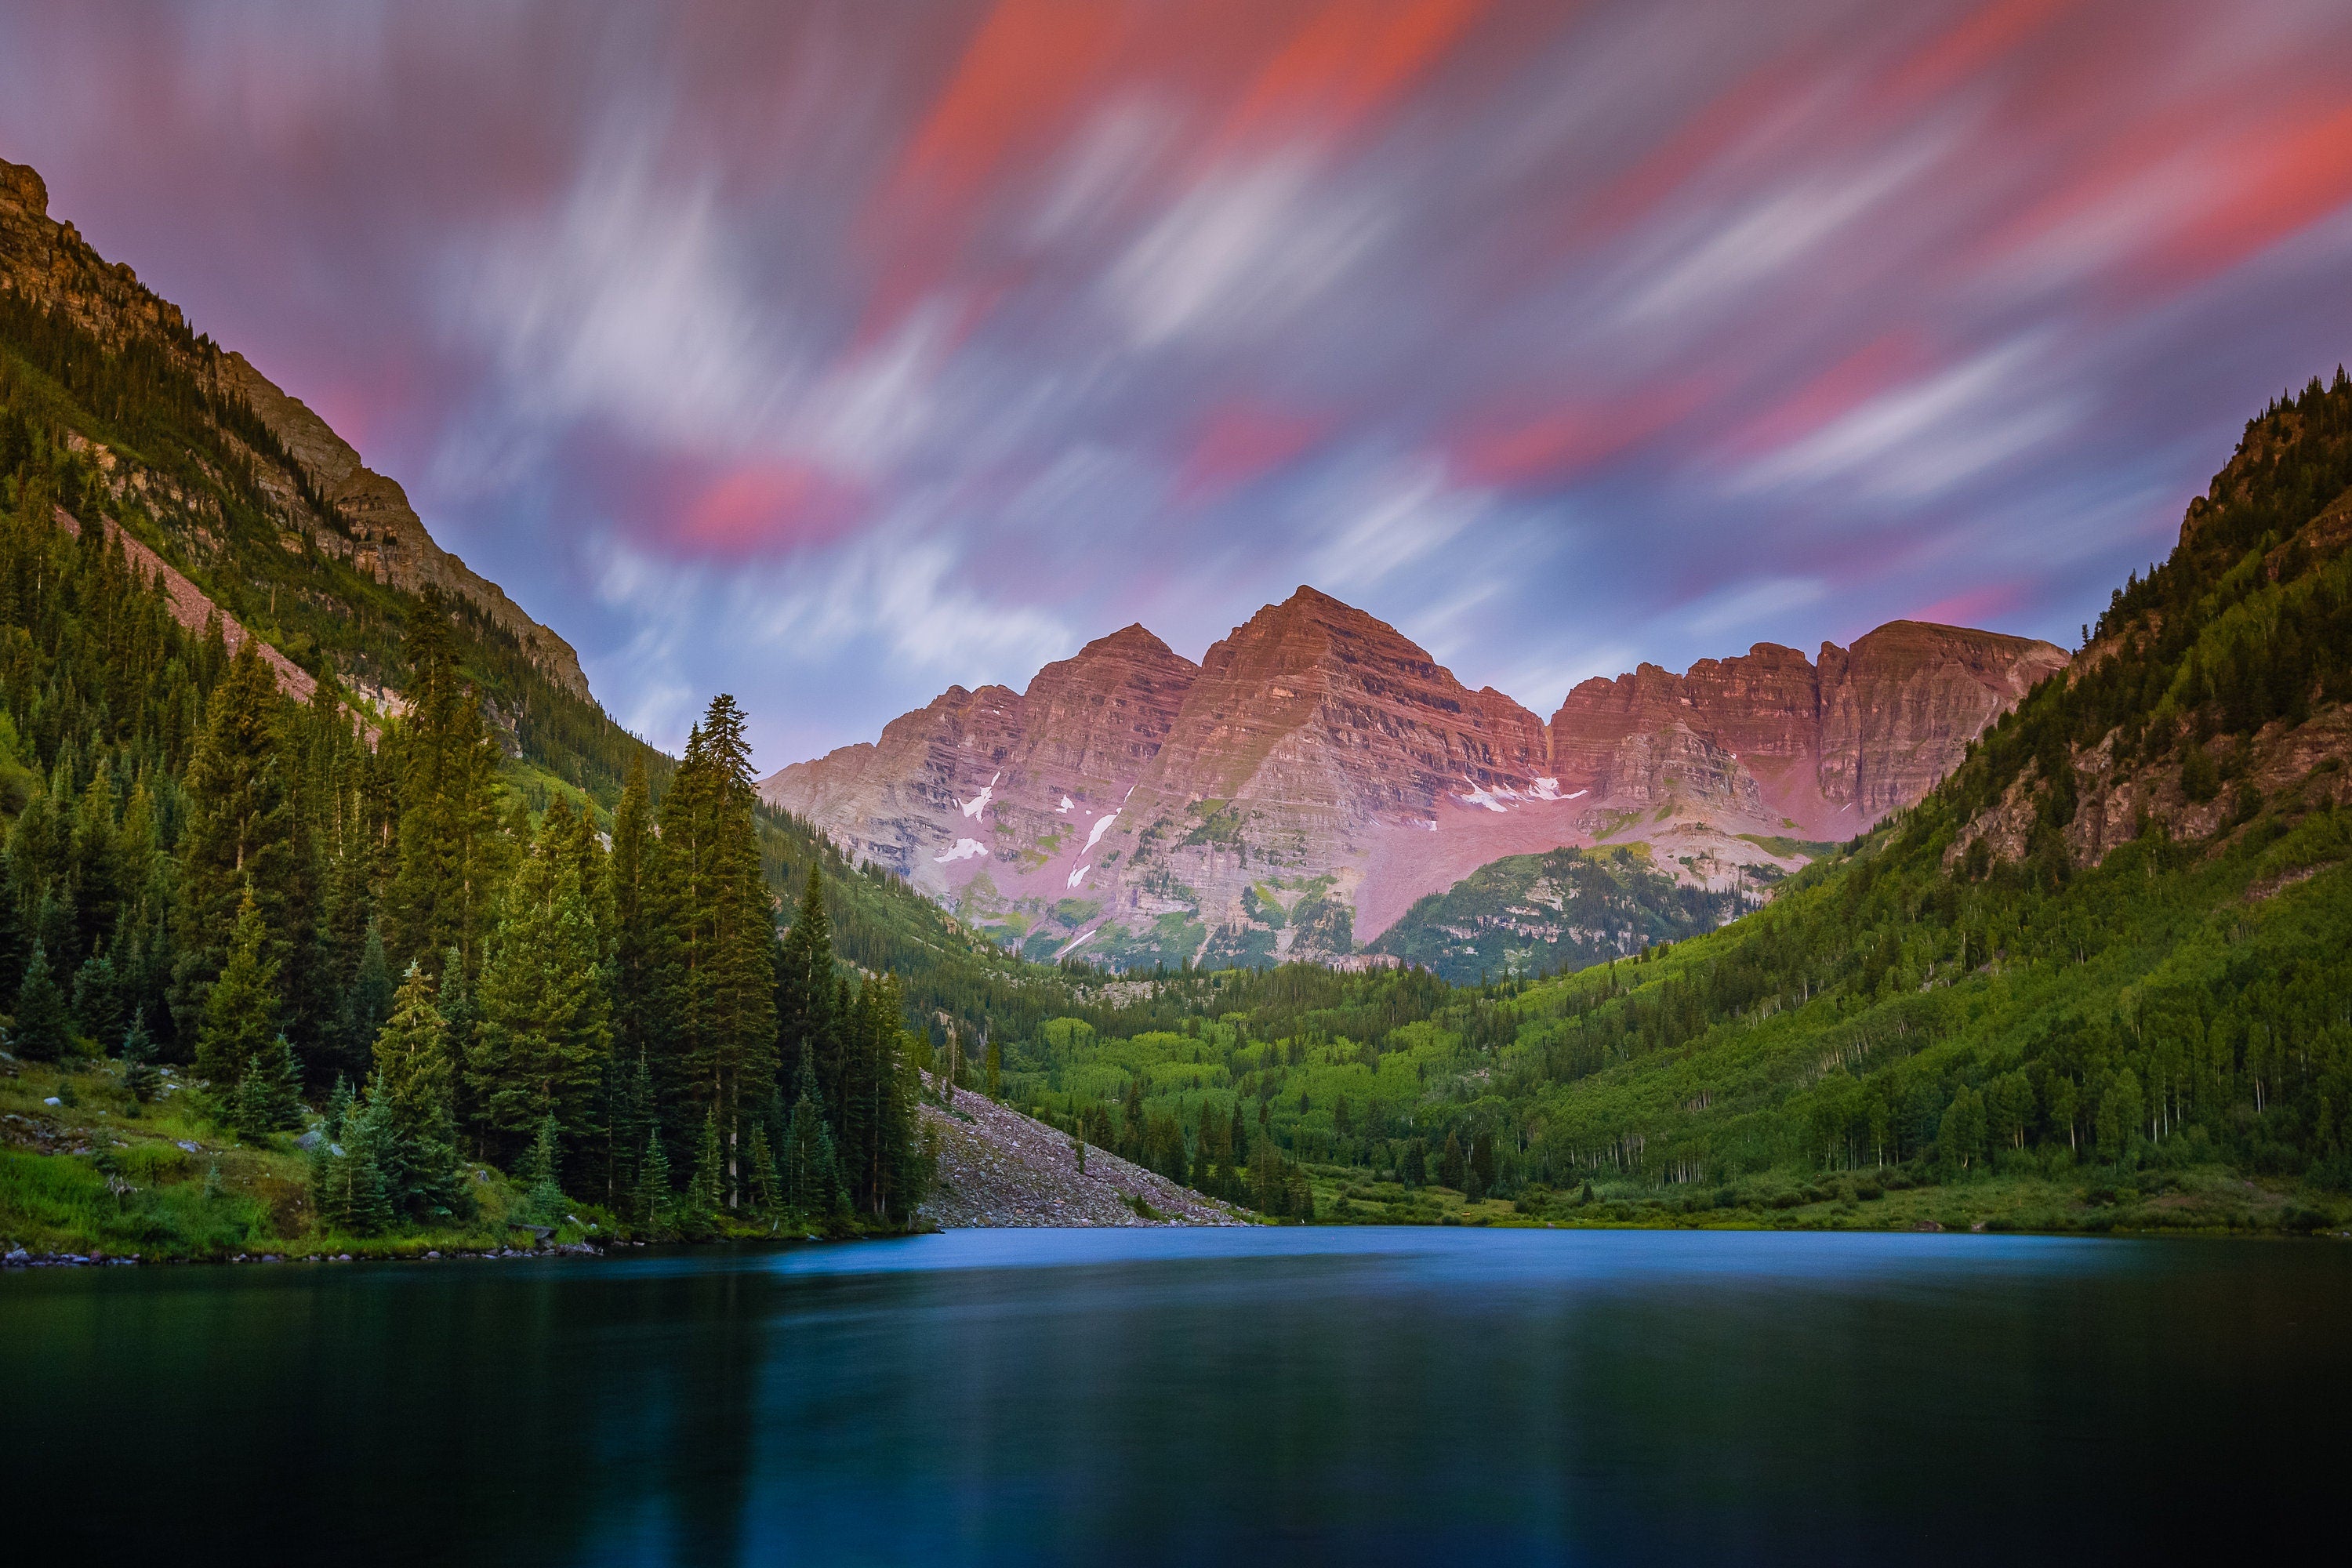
1925, 1007
201, 873
205, 508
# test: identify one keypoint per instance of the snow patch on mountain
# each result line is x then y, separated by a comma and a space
979, 803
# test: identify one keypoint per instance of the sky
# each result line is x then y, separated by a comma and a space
832, 353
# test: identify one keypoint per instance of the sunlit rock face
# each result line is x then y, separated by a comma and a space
1317, 772
1825, 748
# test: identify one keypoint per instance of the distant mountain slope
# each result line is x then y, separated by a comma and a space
1536, 914
2094, 980
2119, 936
1317, 774
313, 481
253, 509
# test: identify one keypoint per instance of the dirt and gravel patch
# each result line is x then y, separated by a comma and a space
998, 1167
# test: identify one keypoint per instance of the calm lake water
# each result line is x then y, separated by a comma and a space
1196, 1397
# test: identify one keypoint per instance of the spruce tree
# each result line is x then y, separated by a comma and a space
366, 1002
268, 1094
706, 1191
458, 1016
138, 1075
545, 1201
652, 1205
238, 849
40, 1034
16, 946
338, 1111
348, 1186
804, 984
544, 1030
761, 1179
636, 944
240, 1011
96, 999
451, 854
413, 1075
721, 933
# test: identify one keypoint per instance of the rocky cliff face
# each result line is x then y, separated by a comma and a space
372, 524
1318, 772
1823, 748
948, 785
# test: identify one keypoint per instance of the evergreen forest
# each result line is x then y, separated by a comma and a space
478, 957
2098, 978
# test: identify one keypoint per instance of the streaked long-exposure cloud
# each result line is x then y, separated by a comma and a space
831, 353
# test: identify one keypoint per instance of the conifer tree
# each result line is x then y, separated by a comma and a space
338, 1111
96, 869
804, 986
138, 1075
240, 1011
239, 848
721, 933
451, 853
413, 1078
40, 1033
347, 1187
365, 1003
15, 948
760, 1181
545, 1203
653, 1190
629, 1120
707, 1191
459, 1019
635, 944
810, 1177
97, 1000
268, 1098
544, 1031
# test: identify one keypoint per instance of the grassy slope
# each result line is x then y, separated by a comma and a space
2077, 988
1535, 914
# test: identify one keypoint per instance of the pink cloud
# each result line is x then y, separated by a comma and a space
761, 508
1574, 435
1975, 606
1242, 443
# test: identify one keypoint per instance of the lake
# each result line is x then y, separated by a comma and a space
1196, 1397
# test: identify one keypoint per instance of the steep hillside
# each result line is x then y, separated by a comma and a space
1570, 909
1318, 775
255, 512
257, 505
2095, 978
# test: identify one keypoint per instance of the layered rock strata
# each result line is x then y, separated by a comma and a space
1318, 771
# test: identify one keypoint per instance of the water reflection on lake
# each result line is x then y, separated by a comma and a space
1345, 1396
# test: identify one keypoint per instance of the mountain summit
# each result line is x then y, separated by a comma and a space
1318, 771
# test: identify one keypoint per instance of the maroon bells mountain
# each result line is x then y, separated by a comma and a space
1292, 795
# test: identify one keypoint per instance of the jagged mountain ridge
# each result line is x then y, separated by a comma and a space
1318, 772
362, 517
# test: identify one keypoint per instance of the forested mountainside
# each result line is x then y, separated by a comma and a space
2100, 975
295, 824
1540, 914
117, 409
